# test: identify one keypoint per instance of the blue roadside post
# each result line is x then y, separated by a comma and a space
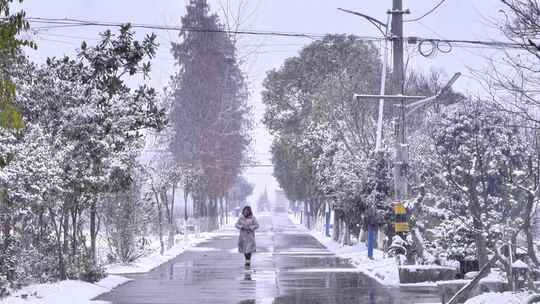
327, 230
371, 240
372, 226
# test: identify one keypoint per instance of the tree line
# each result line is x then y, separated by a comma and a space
474, 161
76, 190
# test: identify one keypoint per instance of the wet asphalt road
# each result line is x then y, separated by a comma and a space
290, 267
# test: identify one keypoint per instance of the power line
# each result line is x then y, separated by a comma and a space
84, 23
79, 22
427, 13
69, 36
496, 44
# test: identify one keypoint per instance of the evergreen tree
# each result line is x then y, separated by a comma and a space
209, 113
263, 204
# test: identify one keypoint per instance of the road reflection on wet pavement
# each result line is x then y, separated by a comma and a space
290, 267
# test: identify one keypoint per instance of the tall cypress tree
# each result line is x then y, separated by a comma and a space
209, 114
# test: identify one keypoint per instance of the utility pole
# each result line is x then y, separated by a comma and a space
401, 149
403, 109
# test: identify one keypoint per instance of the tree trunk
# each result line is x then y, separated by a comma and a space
347, 236
418, 242
160, 221
342, 230
160, 228
186, 196
172, 224
531, 251
226, 209
214, 215
306, 216
480, 240
93, 230
165, 202
335, 225
59, 246
527, 226
73, 232
302, 217
481, 248
42, 227
221, 213
65, 229
6, 229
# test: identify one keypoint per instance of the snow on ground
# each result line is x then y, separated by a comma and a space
64, 292
79, 292
202, 249
153, 260
382, 269
499, 298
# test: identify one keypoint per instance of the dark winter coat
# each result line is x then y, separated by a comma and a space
246, 240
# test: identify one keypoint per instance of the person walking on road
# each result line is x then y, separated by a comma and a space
247, 224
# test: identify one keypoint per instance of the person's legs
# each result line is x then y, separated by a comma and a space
248, 258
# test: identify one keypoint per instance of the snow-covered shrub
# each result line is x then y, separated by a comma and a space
91, 271
4, 286
9, 277
452, 240
127, 217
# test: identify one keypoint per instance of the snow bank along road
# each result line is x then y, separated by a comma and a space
290, 267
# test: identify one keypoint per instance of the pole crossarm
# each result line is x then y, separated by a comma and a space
416, 105
419, 101
398, 96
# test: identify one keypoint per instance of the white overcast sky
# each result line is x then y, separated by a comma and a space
456, 19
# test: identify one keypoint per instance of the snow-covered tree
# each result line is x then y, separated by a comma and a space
30, 182
320, 129
480, 161
127, 216
163, 178
92, 125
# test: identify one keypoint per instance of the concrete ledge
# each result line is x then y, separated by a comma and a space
425, 273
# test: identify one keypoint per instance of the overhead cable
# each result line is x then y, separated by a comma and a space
427, 13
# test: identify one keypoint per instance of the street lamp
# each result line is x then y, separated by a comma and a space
378, 144
379, 25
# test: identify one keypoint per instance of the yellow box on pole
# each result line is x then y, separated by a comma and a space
401, 227
399, 208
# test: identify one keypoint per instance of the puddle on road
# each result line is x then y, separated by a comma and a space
301, 261
202, 249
